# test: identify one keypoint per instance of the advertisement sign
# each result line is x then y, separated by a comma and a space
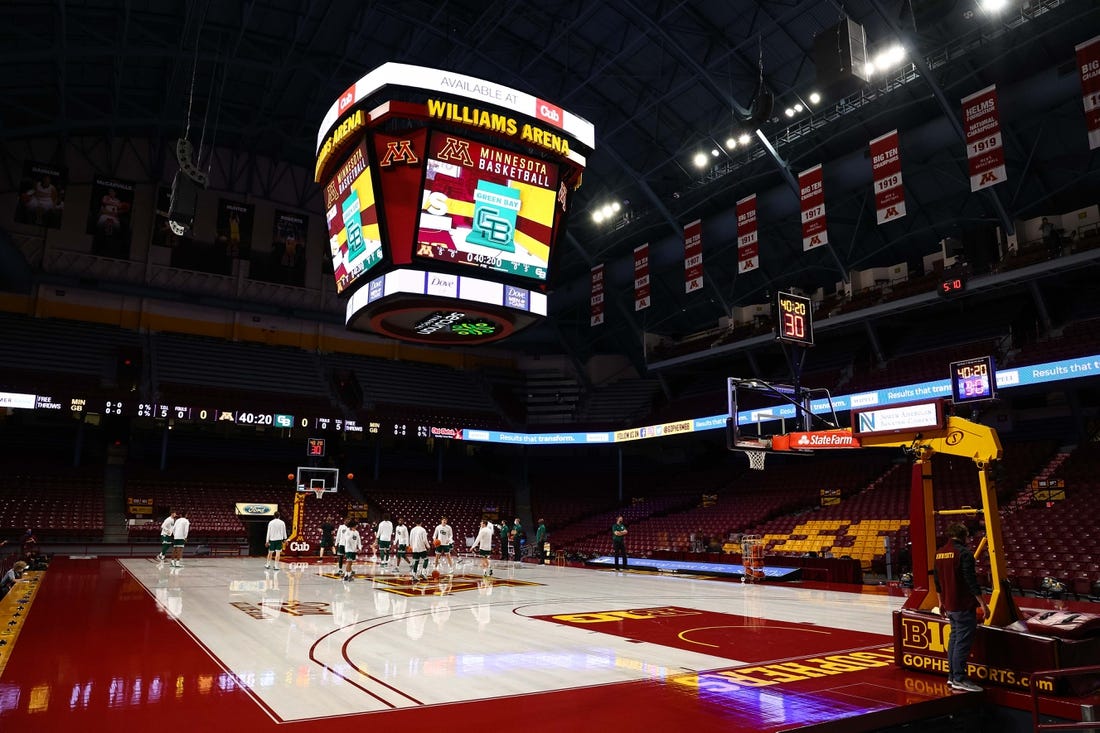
355, 241
1088, 62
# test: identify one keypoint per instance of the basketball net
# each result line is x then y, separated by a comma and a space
756, 459
318, 491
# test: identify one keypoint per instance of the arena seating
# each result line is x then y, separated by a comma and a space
65, 505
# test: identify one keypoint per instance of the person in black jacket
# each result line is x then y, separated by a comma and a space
960, 597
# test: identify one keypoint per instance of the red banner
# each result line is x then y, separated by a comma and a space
811, 190
641, 277
886, 169
1088, 61
693, 256
597, 296
748, 245
984, 149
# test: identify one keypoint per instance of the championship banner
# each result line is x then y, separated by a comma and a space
641, 277
748, 245
235, 227
886, 170
693, 256
109, 213
1088, 61
41, 199
597, 296
811, 192
984, 150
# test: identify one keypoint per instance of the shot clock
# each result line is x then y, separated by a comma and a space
972, 380
795, 323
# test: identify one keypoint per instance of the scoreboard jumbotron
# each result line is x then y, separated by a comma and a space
444, 198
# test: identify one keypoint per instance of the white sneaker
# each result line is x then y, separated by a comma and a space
267, 566
963, 686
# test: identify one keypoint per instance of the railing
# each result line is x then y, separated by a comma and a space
1086, 710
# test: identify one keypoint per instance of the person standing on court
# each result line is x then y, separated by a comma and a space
517, 541
353, 543
180, 530
166, 535
618, 541
540, 541
418, 545
401, 542
444, 535
341, 535
276, 536
326, 540
960, 597
505, 531
385, 537
483, 543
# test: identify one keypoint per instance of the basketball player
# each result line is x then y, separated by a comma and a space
517, 541
484, 545
540, 541
276, 536
401, 539
179, 538
353, 543
341, 534
418, 543
385, 537
166, 535
326, 541
618, 541
505, 530
445, 535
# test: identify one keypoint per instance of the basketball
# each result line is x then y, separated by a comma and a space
435, 575
351, 476
290, 477
436, 543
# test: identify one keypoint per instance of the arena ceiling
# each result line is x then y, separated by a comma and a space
661, 80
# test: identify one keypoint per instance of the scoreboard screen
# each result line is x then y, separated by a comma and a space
487, 207
351, 213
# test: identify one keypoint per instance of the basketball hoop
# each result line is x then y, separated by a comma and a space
318, 491
756, 459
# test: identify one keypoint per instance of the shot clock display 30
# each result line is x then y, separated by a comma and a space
795, 322
972, 380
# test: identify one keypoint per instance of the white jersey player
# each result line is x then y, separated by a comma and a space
418, 545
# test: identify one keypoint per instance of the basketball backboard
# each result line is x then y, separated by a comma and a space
760, 410
317, 480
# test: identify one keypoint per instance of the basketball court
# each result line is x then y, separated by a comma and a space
222, 642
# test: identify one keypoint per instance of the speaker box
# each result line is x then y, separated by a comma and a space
840, 55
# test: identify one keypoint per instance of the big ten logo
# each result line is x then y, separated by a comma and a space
299, 547
925, 635
634, 614
549, 113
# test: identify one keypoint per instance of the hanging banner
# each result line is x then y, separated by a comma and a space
109, 213
641, 277
235, 227
693, 256
811, 192
41, 195
597, 296
886, 170
1088, 61
748, 246
984, 150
